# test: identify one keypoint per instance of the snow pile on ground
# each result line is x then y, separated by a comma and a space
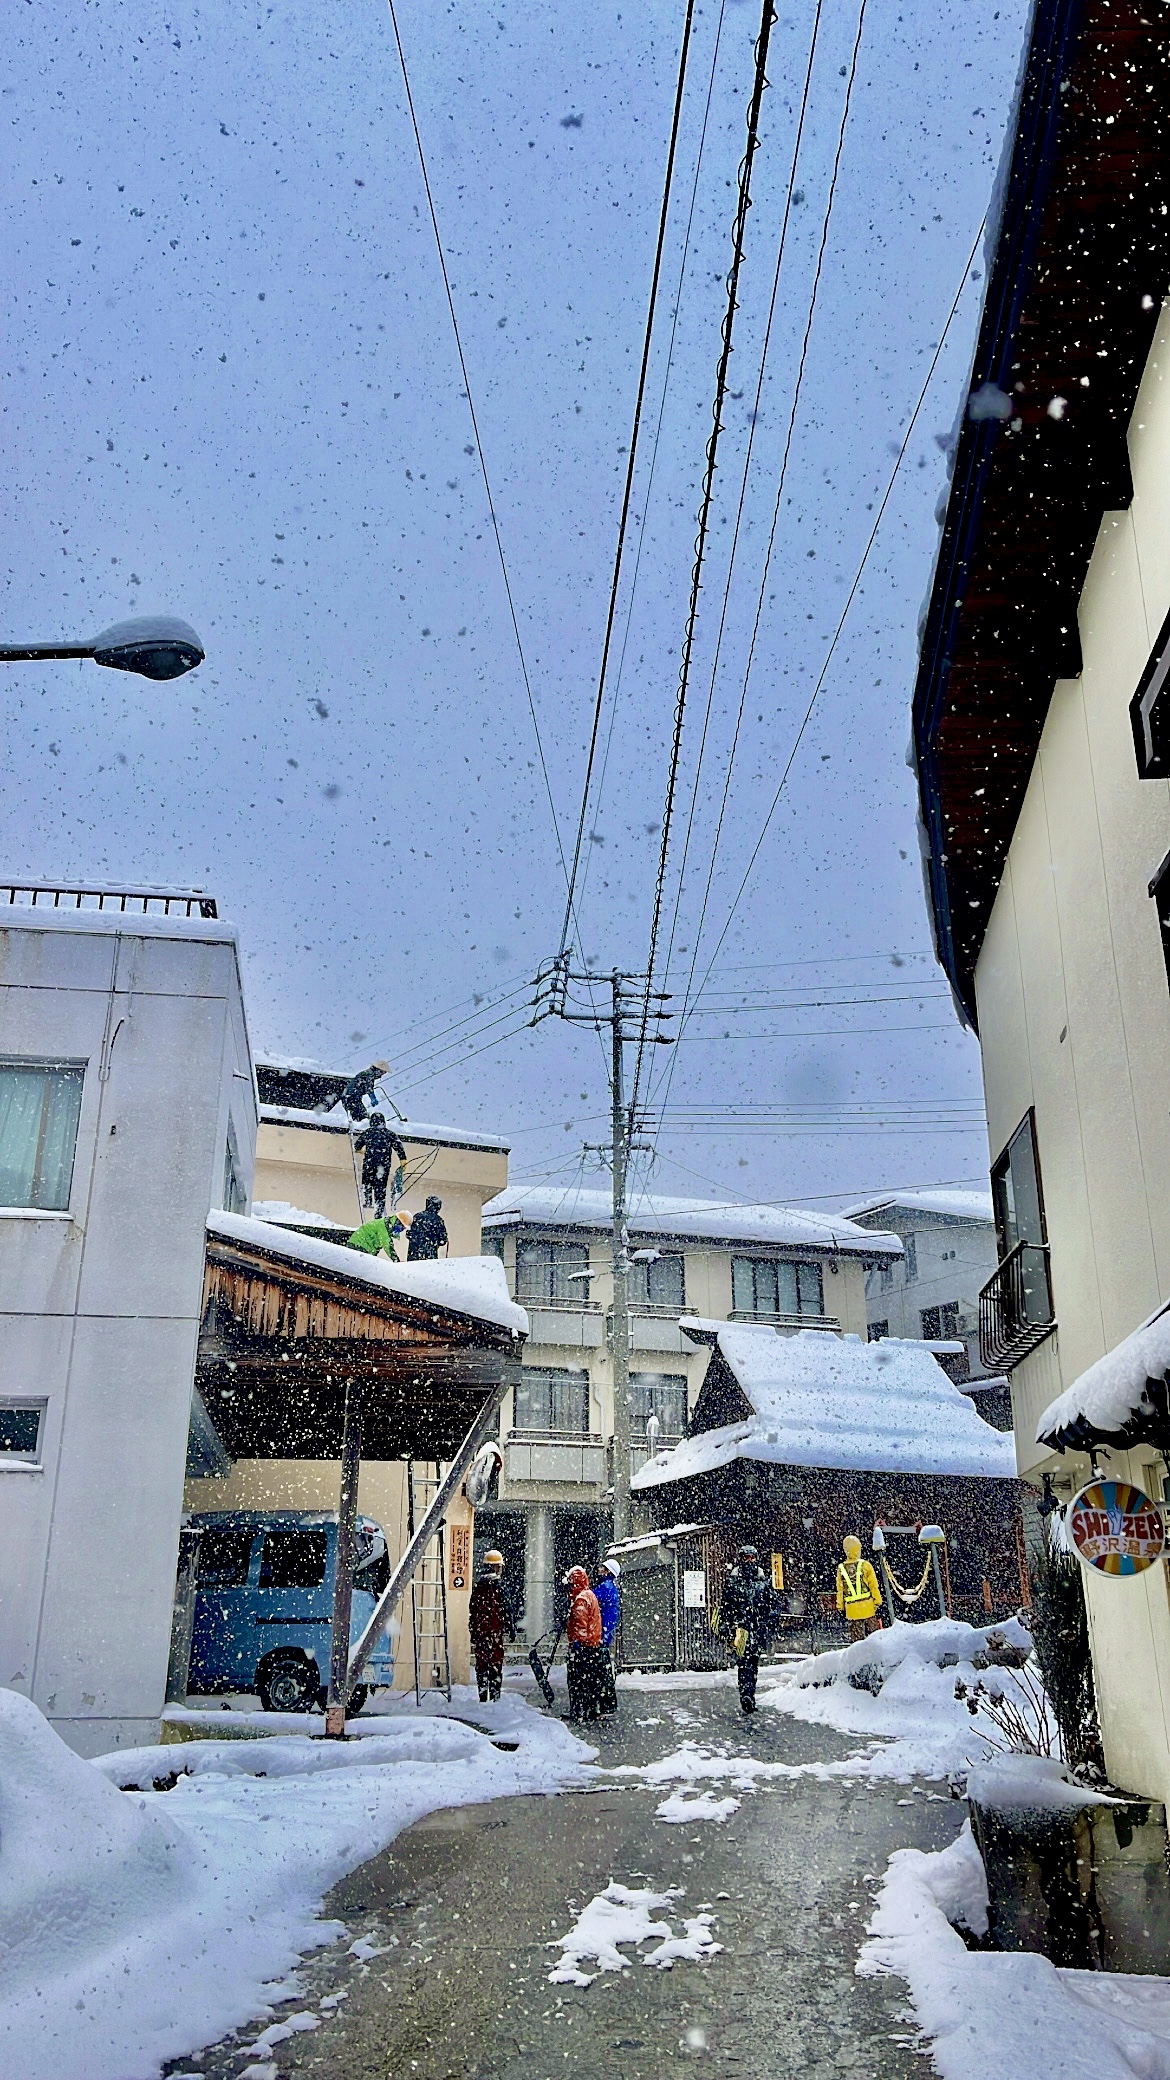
992, 2016
136, 1926
900, 1683
702, 1806
621, 1917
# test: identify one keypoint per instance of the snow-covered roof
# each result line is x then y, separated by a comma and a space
574, 1206
285, 1216
132, 924
336, 1121
948, 1201
834, 1401
1114, 1398
473, 1286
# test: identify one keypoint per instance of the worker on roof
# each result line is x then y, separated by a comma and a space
858, 1594
428, 1232
381, 1152
379, 1238
360, 1089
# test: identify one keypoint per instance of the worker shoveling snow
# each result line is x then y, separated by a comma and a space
136, 1926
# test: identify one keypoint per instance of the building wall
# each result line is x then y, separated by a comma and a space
954, 1259
99, 1306
1074, 1018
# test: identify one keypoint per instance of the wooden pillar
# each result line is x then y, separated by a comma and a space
351, 1459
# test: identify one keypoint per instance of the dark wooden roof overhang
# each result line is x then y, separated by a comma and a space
282, 1338
1081, 265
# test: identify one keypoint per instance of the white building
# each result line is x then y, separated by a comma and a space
127, 1109
932, 1292
780, 1265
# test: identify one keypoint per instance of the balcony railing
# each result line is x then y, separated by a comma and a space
51, 895
784, 1321
1015, 1306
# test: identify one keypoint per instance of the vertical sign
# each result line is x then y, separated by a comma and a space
778, 1573
459, 1547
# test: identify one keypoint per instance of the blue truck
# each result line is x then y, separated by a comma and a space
264, 1605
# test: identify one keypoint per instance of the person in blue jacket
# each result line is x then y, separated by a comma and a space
609, 1596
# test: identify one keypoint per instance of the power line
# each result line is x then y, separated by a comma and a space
478, 442
747, 463
739, 234
797, 387
625, 512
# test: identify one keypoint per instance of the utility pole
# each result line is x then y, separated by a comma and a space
632, 1003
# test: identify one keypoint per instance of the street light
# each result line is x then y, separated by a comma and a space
157, 646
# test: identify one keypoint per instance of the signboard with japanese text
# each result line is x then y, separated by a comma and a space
778, 1573
459, 1537
1116, 1528
694, 1589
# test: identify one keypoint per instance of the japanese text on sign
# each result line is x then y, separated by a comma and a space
1115, 1528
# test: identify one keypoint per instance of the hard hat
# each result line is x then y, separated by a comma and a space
852, 1546
748, 1553
612, 1567
493, 1559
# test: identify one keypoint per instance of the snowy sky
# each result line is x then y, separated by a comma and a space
232, 393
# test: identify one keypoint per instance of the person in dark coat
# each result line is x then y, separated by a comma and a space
428, 1232
489, 1619
609, 1598
745, 1619
359, 1091
381, 1149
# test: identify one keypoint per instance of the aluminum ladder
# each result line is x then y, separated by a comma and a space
428, 1589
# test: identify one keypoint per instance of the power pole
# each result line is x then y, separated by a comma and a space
632, 1003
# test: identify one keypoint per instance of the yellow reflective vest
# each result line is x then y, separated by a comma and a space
858, 1594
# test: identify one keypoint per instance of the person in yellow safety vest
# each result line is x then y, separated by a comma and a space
858, 1594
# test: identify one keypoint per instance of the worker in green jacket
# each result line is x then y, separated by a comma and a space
378, 1238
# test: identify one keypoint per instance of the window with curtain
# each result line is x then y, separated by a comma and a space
657, 1284
773, 1285
544, 1272
552, 1401
661, 1394
40, 1104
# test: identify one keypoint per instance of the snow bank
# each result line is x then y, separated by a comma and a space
618, 1917
1029, 1784
476, 1286
991, 2016
926, 1731
825, 1400
137, 1926
1110, 1393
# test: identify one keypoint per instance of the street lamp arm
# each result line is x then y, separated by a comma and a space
156, 646
25, 653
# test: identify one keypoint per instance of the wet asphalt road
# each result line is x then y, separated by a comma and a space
466, 1902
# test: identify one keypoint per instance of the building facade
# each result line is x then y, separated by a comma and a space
932, 1293
127, 1109
1041, 740
782, 1266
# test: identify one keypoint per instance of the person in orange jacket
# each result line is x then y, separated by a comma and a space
583, 1661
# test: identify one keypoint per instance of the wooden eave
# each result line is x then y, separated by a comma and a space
1083, 245
281, 1339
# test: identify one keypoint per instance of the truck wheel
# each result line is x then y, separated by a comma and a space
287, 1683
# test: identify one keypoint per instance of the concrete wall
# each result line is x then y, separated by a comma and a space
100, 1305
312, 1166
1074, 1018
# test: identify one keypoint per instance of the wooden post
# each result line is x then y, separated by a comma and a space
351, 1459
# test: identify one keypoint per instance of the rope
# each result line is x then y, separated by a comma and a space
625, 514
899, 1588
743, 206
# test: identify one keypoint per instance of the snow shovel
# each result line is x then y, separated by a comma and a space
541, 1668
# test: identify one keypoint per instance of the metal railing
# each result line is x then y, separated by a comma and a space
784, 1321
1015, 1306
158, 902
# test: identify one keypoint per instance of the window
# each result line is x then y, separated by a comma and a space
294, 1559
552, 1401
235, 1198
40, 1103
658, 1284
877, 1330
940, 1324
910, 1258
885, 1275
771, 1285
492, 1243
661, 1394
20, 1431
544, 1273
223, 1558
1015, 1191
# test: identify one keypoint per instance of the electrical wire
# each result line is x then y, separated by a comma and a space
630, 466
753, 421
427, 1075
739, 234
478, 442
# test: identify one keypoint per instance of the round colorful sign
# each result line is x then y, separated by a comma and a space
1116, 1528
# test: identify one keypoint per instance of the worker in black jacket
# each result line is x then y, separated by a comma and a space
428, 1232
745, 1619
381, 1149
